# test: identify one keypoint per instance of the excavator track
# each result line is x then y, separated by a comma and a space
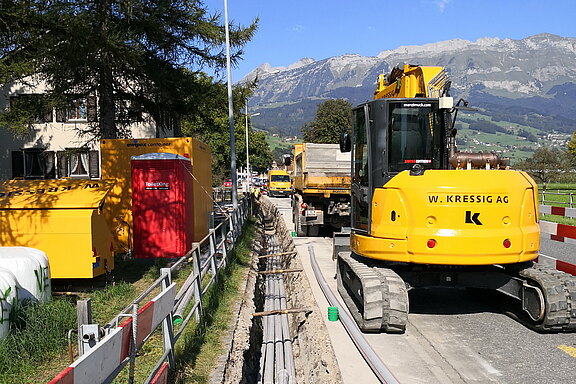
559, 291
377, 297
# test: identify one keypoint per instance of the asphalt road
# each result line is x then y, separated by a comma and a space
453, 336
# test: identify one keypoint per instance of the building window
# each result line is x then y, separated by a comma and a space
33, 163
78, 110
78, 163
35, 104
81, 109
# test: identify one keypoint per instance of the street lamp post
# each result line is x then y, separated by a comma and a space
231, 114
249, 174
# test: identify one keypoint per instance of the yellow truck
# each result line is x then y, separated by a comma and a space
279, 183
321, 188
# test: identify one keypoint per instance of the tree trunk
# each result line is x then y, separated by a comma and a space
106, 103
107, 106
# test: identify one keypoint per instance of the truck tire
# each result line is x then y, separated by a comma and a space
301, 230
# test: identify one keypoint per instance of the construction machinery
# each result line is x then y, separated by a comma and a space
426, 215
321, 188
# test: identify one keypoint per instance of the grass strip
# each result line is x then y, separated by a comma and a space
36, 349
37, 336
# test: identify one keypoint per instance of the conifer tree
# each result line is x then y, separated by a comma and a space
135, 55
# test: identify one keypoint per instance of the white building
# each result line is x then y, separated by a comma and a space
55, 147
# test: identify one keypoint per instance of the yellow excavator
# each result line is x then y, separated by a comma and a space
425, 215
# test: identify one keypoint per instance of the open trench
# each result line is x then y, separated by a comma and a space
265, 347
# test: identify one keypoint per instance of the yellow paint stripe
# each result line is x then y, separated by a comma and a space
569, 350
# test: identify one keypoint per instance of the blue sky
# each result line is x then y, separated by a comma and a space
293, 29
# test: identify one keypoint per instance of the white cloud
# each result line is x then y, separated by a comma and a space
441, 4
297, 28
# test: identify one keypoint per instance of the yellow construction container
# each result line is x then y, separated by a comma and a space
62, 218
116, 155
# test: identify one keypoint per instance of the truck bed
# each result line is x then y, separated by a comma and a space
322, 166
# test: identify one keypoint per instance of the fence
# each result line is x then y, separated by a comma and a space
560, 197
107, 357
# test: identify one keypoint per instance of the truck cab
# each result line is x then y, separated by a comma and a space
279, 183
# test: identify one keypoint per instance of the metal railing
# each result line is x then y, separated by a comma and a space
557, 197
208, 257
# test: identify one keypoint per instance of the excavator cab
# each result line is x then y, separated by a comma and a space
390, 136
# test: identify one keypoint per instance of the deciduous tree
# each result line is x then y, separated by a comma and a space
208, 121
333, 117
545, 165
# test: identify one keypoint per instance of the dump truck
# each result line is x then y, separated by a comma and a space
321, 188
425, 215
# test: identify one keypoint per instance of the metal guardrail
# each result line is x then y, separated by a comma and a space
106, 359
549, 197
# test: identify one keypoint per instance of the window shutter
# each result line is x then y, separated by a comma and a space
48, 115
50, 168
17, 164
92, 111
94, 171
60, 115
62, 160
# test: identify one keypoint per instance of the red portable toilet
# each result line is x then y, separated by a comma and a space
161, 205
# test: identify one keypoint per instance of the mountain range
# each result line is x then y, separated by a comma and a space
524, 88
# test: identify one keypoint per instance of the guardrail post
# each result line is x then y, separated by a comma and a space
133, 345
84, 316
167, 330
197, 283
224, 248
231, 227
571, 199
213, 255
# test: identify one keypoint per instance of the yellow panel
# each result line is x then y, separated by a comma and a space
77, 241
469, 213
60, 193
202, 189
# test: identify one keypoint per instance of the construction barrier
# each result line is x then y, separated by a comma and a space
558, 232
110, 353
104, 361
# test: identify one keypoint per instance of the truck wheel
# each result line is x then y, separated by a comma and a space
301, 230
